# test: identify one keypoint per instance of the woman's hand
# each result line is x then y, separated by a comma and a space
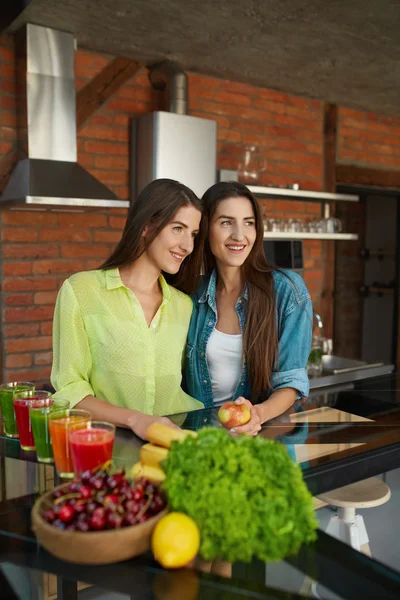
254, 425
139, 423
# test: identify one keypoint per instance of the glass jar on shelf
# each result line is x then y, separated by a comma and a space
252, 165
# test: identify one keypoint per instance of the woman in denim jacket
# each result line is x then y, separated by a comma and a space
251, 327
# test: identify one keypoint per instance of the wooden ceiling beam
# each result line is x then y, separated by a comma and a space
104, 85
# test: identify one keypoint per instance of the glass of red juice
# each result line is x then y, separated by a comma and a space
91, 446
7, 392
22, 402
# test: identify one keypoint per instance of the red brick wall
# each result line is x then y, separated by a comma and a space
39, 250
368, 139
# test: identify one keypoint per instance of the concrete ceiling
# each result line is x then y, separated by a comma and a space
345, 51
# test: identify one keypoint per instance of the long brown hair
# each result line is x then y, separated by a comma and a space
260, 340
154, 208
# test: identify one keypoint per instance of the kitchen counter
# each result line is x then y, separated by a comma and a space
350, 377
337, 438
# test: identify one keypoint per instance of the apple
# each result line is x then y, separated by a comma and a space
234, 415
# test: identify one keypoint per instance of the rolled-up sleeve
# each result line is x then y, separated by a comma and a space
295, 334
72, 361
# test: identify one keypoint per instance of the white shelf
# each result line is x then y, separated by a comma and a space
288, 235
271, 192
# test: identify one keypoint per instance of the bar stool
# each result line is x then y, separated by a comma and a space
348, 526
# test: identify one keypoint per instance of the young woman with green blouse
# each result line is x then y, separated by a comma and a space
120, 331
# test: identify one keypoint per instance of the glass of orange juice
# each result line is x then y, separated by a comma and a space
61, 423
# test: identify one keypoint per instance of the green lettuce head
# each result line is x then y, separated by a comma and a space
246, 495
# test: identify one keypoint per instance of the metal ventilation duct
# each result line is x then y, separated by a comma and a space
50, 177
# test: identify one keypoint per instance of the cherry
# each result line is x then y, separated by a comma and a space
143, 518
59, 524
132, 506
111, 498
129, 519
99, 512
127, 492
97, 483
74, 487
58, 494
83, 517
70, 527
156, 504
113, 521
85, 492
49, 515
112, 482
85, 477
79, 507
66, 514
91, 507
137, 494
159, 498
142, 503
83, 526
97, 522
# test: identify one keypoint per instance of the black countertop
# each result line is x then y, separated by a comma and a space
324, 435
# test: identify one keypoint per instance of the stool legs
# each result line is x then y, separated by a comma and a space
350, 529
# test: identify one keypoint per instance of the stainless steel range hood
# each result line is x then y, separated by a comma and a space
50, 177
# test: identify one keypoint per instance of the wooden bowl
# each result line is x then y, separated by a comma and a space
93, 547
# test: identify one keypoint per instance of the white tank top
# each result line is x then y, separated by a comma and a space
224, 360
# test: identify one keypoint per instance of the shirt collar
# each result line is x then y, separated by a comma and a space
114, 281
166, 291
210, 290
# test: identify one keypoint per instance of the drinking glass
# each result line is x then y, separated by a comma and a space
7, 391
91, 446
332, 225
61, 424
39, 412
22, 403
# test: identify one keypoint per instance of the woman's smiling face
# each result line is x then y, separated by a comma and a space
232, 231
176, 240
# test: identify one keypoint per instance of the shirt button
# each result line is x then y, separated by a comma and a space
153, 325
204, 380
201, 353
210, 323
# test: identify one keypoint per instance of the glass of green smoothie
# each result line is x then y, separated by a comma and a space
39, 411
7, 391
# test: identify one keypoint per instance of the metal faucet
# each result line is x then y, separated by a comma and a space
319, 320
327, 344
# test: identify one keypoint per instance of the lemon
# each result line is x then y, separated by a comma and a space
175, 540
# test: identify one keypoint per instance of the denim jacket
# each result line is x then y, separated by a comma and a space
293, 310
